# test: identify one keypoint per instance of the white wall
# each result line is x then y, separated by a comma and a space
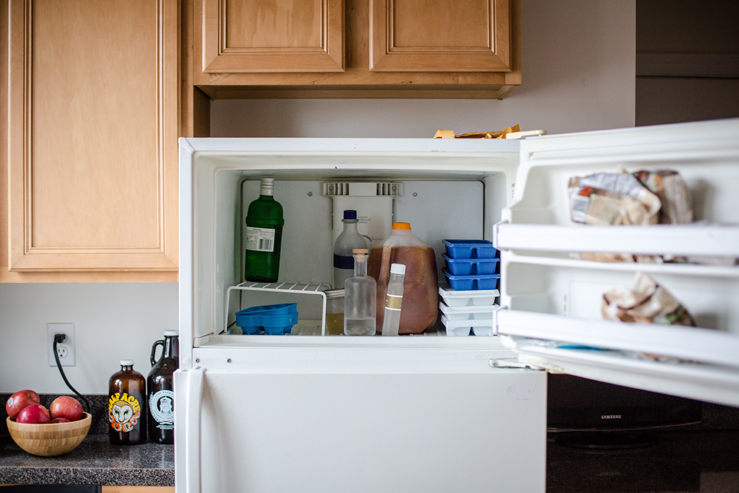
578, 74
111, 322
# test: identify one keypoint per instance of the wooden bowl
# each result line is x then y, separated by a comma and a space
50, 439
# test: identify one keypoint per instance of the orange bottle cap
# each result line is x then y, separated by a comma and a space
405, 226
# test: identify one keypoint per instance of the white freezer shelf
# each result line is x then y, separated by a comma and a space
689, 343
692, 381
645, 240
680, 269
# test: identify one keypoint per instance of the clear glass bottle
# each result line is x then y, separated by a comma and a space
360, 299
348, 240
264, 224
393, 300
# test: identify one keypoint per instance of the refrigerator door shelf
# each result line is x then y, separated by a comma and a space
711, 347
719, 385
661, 239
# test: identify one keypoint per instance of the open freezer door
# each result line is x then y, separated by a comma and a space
552, 299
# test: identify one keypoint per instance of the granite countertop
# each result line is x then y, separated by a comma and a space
94, 461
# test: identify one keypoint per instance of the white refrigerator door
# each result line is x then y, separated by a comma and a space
551, 300
358, 419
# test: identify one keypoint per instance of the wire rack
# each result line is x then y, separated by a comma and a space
292, 287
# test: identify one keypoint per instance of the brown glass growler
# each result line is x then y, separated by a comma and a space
127, 406
160, 388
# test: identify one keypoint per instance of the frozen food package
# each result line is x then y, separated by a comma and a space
668, 185
645, 302
605, 199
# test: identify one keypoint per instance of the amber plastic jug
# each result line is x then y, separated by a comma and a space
420, 300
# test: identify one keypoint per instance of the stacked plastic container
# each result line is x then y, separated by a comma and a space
467, 306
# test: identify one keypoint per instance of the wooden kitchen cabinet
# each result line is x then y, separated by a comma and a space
440, 36
391, 48
243, 36
91, 125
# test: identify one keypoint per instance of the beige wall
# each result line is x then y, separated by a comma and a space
578, 74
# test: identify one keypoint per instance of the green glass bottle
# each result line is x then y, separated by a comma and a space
264, 224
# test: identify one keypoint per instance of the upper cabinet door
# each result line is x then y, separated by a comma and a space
249, 36
93, 121
440, 36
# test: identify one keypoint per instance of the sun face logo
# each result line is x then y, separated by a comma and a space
124, 412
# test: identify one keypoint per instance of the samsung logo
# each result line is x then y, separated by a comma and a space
610, 416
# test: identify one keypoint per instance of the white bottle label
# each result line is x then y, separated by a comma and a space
161, 406
260, 239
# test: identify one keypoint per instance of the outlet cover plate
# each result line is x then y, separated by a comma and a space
69, 342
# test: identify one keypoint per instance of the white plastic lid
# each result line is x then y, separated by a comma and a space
397, 269
126, 362
171, 333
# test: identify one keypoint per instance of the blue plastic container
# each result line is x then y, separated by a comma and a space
471, 266
273, 319
469, 283
470, 249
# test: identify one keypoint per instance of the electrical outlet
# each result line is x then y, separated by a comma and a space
65, 349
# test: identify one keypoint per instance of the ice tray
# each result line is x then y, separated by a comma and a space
471, 266
468, 312
464, 327
467, 283
273, 319
467, 298
467, 249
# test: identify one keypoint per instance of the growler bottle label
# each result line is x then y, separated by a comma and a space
124, 411
161, 405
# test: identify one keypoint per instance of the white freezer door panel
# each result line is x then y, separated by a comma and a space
337, 432
554, 300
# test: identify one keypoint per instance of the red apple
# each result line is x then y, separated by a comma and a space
19, 400
66, 407
60, 420
33, 414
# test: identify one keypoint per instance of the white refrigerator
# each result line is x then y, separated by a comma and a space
435, 413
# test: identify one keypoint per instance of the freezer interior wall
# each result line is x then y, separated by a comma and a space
438, 203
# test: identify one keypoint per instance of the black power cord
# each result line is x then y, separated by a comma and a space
59, 338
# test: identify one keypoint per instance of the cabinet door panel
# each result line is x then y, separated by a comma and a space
93, 124
244, 36
440, 35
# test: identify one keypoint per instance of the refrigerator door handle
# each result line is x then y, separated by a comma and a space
192, 438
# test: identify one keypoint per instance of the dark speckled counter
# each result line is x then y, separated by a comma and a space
94, 461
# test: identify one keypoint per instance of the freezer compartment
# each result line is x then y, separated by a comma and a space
448, 191
706, 155
363, 419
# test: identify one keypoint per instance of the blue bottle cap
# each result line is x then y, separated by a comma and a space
350, 214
